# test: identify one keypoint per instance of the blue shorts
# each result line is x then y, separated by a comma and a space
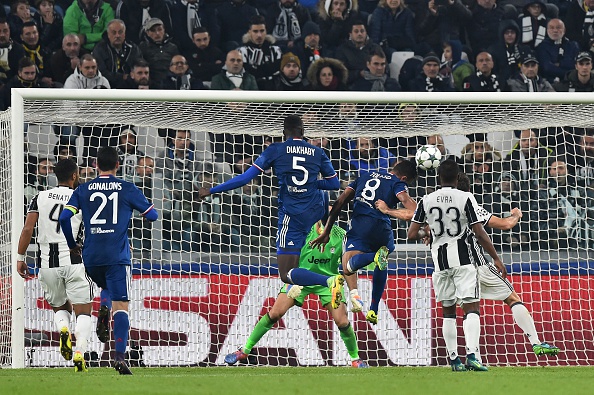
368, 234
293, 230
114, 278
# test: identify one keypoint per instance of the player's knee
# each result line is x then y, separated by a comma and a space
284, 276
512, 300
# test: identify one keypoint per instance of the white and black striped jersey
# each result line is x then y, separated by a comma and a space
53, 248
449, 212
477, 251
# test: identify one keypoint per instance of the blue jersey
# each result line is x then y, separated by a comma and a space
297, 165
107, 204
372, 186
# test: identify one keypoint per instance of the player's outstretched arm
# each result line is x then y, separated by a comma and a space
235, 182
398, 213
505, 223
24, 241
486, 243
342, 200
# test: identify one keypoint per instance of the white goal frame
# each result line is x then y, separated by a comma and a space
18, 120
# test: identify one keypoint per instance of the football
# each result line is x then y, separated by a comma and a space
428, 157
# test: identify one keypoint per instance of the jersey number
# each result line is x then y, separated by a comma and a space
53, 216
371, 186
297, 166
95, 220
439, 219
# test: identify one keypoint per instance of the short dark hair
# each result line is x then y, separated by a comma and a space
448, 172
25, 62
140, 63
357, 22
107, 158
293, 125
29, 24
376, 51
256, 20
64, 169
59, 147
463, 182
406, 168
199, 29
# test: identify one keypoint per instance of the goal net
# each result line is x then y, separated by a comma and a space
205, 272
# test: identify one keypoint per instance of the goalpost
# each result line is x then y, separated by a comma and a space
205, 271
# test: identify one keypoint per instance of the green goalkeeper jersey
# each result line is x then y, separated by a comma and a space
326, 262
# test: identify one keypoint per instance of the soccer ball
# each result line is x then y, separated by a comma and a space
428, 157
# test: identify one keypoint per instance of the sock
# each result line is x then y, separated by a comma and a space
472, 332
105, 299
525, 322
121, 328
378, 285
304, 277
450, 335
263, 326
62, 319
82, 332
360, 261
350, 341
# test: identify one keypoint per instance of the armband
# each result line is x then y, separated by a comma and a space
21, 257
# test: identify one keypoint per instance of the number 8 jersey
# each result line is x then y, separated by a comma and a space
449, 213
53, 248
107, 204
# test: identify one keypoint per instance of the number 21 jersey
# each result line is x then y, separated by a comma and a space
107, 204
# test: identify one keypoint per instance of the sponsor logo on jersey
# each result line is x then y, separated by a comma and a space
95, 231
317, 261
295, 189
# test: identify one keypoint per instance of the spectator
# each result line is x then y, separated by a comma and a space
178, 166
285, 20
35, 51
129, 154
327, 74
186, 17
233, 19
88, 19
136, 13
115, 55
251, 215
429, 80
139, 77
65, 60
392, 25
308, 48
533, 23
440, 23
481, 164
484, 80
353, 53
375, 79
87, 76
579, 27
507, 52
10, 53
180, 76
141, 230
50, 24
204, 58
20, 13
335, 18
528, 80
556, 54
157, 49
260, 57
460, 68
290, 77
62, 151
26, 78
86, 173
45, 168
233, 75
528, 162
581, 78
366, 156
581, 161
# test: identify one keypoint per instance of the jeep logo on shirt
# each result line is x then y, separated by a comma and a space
318, 261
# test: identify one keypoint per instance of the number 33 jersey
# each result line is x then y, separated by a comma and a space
449, 213
107, 204
53, 248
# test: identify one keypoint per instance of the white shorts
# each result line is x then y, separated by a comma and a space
456, 283
493, 286
66, 283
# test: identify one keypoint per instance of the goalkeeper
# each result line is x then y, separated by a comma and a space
326, 263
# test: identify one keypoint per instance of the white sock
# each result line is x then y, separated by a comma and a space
525, 322
472, 332
450, 335
82, 332
62, 319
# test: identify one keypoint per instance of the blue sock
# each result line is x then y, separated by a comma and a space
105, 299
360, 261
121, 328
304, 277
379, 284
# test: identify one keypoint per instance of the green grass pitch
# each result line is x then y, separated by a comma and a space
296, 380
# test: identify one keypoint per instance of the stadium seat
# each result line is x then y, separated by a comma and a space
398, 59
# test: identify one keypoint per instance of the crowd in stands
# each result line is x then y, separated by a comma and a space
332, 45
